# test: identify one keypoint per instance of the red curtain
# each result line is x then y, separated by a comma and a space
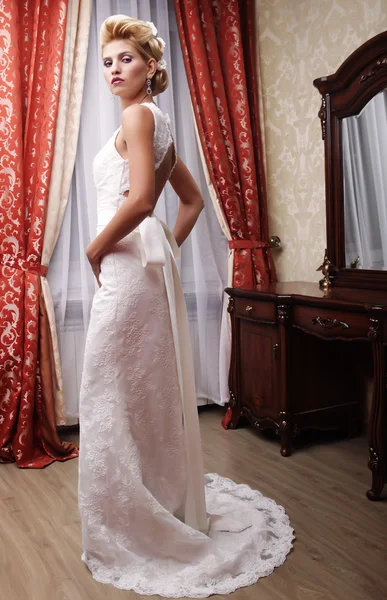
218, 43
31, 45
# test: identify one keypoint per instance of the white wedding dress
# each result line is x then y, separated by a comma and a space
151, 521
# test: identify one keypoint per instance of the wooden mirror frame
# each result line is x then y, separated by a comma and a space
345, 93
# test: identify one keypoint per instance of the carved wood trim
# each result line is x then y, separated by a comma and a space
284, 420
232, 401
337, 337
376, 429
373, 331
373, 462
322, 115
283, 313
264, 423
378, 65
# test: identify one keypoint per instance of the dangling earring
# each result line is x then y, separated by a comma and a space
148, 86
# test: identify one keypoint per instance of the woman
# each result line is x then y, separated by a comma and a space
149, 522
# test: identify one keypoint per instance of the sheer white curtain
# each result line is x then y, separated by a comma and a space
203, 264
365, 184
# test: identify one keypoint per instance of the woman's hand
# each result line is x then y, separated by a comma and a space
95, 261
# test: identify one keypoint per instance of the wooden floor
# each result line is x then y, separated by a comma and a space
341, 546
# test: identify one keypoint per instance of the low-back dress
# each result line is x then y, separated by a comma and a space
151, 521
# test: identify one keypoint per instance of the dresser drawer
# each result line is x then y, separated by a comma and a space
264, 312
332, 323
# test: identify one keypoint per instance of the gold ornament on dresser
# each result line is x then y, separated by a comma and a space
325, 283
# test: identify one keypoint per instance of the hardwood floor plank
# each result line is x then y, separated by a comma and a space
340, 549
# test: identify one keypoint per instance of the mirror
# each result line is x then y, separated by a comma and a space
353, 116
364, 154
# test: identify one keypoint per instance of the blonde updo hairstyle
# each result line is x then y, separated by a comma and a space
139, 34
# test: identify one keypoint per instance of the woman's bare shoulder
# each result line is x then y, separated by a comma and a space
137, 118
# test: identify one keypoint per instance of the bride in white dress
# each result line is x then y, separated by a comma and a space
151, 521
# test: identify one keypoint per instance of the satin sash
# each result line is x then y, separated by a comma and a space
159, 247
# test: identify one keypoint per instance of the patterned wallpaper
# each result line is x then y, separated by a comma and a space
301, 40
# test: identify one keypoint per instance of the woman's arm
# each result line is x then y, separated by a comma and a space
138, 130
191, 201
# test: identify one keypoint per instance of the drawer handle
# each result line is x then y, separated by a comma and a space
329, 323
249, 308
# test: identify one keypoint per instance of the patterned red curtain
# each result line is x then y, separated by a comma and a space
31, 47
218, 43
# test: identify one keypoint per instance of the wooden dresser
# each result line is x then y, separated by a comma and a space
301, 358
